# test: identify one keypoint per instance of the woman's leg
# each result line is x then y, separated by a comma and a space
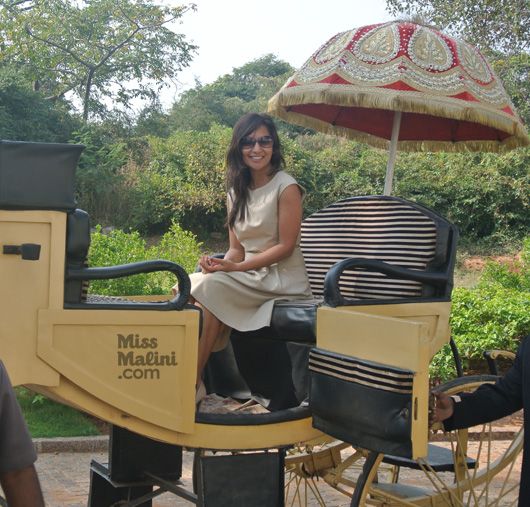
211, 326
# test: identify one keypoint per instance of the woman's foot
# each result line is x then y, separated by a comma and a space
200, 393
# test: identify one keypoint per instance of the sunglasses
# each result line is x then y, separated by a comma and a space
247, 143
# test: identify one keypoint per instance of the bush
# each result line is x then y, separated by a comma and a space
493, 315
182, 178
120, 247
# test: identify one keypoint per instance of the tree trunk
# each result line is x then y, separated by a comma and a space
88, 87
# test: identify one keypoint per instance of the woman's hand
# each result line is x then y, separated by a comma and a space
205, 263
212, 264
222, 265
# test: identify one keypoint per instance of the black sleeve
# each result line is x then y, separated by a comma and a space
491, 401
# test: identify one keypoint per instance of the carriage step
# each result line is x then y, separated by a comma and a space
439, 459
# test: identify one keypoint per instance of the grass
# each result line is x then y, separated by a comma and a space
46, 418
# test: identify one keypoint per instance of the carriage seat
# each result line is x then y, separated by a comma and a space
78, 275
368, 250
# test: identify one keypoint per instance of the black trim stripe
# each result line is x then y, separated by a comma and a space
361, 372
382, 229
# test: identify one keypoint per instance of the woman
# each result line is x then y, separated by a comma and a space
264, 262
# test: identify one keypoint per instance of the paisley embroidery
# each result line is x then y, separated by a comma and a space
333, 47
379, 45
382, 54
473, 62
429, 51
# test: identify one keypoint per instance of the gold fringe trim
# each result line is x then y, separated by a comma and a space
413, 102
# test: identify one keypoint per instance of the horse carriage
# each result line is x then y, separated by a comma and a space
344, 376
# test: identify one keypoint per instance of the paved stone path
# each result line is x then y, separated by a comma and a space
65, 480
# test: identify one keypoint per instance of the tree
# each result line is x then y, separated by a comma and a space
246, 89
502, 25
112, 50
26, 116
514, 72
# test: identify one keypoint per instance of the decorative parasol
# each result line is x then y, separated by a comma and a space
400, 85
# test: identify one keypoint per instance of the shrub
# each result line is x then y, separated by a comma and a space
493, 315
119, 247
514, 275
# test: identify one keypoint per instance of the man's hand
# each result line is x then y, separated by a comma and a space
444, 407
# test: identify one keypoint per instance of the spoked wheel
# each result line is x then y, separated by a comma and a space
307, 469
472, 467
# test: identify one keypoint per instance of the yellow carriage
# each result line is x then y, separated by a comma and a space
351, 365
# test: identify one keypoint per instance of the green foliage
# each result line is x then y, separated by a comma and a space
98, 174
489, 317
152, 121
493, 315
485, 194
513, 275
114, 49
246, 89
514, 73
183, 180
46, 419
25, 115
119, 247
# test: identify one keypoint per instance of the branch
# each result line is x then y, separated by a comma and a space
57, 46
11, 6
116, 48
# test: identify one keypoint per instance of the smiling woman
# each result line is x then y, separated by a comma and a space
256, 150
264, 262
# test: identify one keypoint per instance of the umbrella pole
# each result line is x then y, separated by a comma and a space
392, 153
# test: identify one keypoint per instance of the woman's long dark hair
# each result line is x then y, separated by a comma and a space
238, 177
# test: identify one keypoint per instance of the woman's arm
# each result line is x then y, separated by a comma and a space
235, 253
289, 223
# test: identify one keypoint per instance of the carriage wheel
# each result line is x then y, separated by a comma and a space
307, 469
313, 468
466, 468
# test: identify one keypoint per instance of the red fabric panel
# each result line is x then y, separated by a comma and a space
335, 79
414, 126
400, 85
465, 96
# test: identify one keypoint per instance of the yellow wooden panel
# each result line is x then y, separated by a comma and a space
28, 286
397, 342
141, 362
434, 314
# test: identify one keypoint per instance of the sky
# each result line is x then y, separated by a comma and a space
230, 33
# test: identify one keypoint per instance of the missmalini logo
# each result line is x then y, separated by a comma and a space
137, 355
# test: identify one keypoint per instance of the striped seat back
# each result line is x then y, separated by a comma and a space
383, 228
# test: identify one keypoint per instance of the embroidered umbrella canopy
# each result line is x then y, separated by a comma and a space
400, 85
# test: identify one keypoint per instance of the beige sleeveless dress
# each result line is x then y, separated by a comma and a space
244, 300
